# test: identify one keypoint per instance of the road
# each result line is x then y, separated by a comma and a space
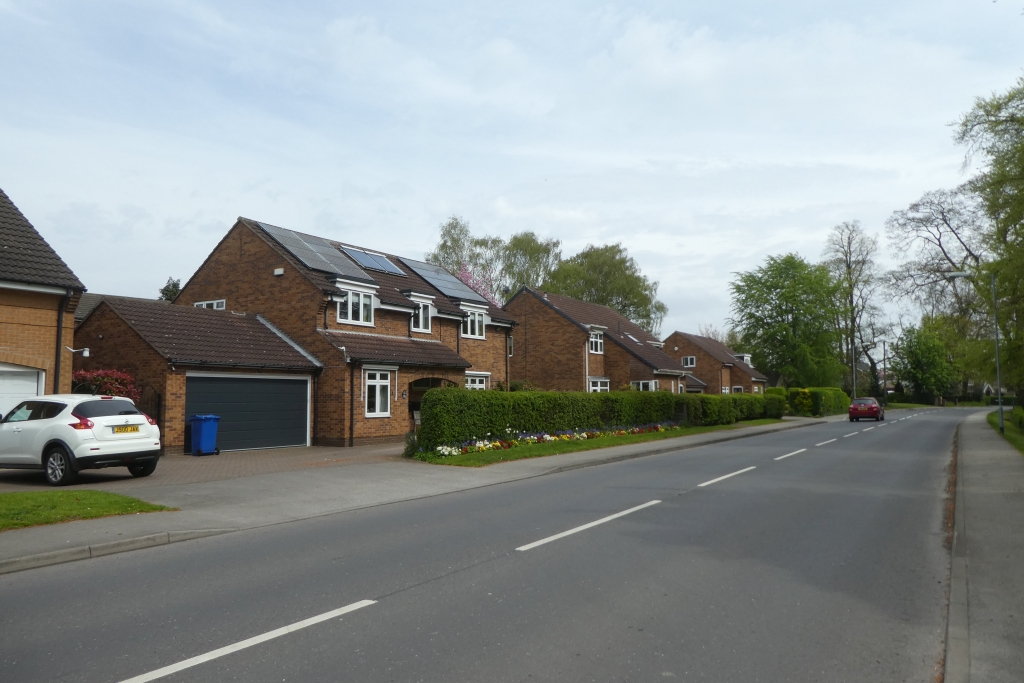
826, 565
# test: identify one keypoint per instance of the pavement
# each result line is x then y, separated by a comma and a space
250, 489
986, 622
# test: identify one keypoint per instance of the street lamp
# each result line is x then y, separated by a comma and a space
995, 318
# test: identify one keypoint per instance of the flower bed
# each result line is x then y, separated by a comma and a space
518, 440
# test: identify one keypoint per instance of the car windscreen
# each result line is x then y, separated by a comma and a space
105, 408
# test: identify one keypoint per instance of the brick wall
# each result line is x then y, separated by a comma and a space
28, 333
550, 351
488, 354
709, 369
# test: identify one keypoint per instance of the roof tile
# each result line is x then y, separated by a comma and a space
381, 348
25, 256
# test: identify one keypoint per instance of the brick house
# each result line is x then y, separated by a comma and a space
38, 297
723, 370
564, 344
384, 328
193, 361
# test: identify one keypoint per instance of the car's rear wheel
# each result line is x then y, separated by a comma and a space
142, 470
57, 463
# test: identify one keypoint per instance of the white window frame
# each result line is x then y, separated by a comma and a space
652, 384
689, 361
737, 389
598, 385
215, 304
511, 345
474, 324
381, 380
597, 342
478, 381
725, 390
346, 298
421, 312
758, 389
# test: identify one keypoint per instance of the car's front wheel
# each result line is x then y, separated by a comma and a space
143, 470
58, 467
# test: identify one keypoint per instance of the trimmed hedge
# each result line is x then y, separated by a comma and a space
818, 401
1017, 416
454, 415
776, 391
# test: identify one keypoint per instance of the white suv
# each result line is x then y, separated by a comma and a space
65, 433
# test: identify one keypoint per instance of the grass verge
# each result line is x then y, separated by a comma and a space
1011, 432
897, 406
32, 508
539, 450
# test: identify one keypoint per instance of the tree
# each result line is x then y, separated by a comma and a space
608, 275
170, 290
850, 257
785, 312
528, 261
919, 360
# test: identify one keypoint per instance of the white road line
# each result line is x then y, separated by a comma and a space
241, 645
789, 454
867, 430
825, 442
882, 425
708, 483
570, 532
851, 434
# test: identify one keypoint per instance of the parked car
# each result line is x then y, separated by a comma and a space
63, 434
866, 408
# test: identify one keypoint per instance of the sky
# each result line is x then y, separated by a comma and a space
702, 136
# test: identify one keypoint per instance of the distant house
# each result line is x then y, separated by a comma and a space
38, 297
723, 370
564, 344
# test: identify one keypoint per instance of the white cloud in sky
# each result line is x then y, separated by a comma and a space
703, 137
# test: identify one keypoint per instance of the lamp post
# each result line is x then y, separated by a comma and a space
885, 377
995, 318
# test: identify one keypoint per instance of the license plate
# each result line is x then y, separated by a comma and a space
126, 429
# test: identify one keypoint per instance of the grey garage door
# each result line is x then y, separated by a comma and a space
254, 413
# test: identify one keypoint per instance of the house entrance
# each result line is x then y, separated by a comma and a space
419, 387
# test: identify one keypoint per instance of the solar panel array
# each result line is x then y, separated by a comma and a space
448, 284
316, 253
373, 261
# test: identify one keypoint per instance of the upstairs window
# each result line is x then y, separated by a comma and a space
599, 385
218, 304
689, 361
356, 308
378, 393
596, 342
473, 325
421, 318
645, 385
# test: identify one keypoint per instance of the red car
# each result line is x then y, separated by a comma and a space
866, 408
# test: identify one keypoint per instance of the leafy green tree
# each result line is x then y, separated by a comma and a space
786, 312
920, 361
170, 290
528, 261
608, 275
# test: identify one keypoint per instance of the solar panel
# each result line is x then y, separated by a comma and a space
316, 253
448, 284
373, 261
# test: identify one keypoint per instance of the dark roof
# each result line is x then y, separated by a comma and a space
391, 286
382, 348
618, 328
692, 381
200, 336
25, 256
87, 302
720, 351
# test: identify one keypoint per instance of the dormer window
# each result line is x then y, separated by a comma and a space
421, 317
596, 342
473, 325
355, 308
217, 305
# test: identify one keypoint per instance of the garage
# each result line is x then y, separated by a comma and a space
255, 412
17, 384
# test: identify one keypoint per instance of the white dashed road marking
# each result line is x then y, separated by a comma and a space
713, 481
851, 434
789, 454
825, 442
587, 526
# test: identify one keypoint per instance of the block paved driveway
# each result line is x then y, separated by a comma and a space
189, 469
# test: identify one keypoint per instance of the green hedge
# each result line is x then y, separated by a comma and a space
777, 391
1017, 416
454, 415
818, 401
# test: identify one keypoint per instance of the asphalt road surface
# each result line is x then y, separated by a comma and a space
826, 565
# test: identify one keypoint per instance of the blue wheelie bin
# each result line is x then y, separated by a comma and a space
204, 434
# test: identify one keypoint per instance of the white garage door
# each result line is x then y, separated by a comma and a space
17, 385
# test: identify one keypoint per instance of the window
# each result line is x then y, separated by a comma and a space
106, 408
599, 385
378, 394
689, 361
476, 383
511, 346
219, 304
473, 325
355, 307
596, 342
725, 390
737, 390
421, 318
645, 385
758, 389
